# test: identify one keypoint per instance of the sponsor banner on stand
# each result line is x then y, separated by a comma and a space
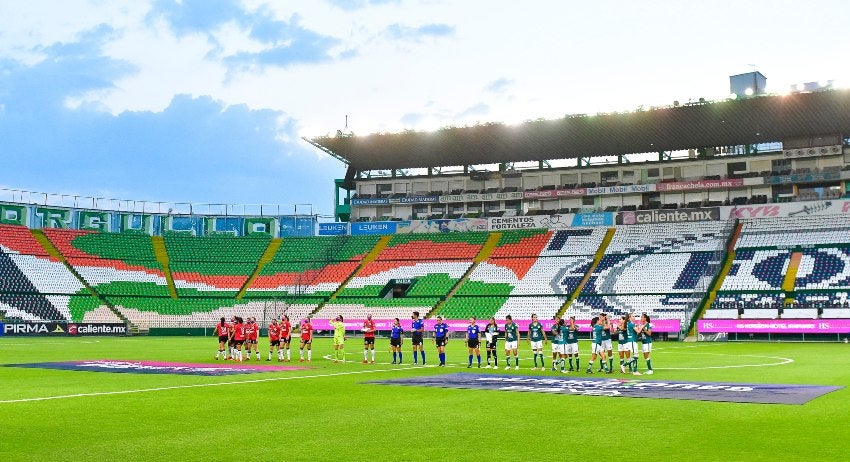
787, 209
486, 197
764, 393
699, 184
594, 219
373, 227
442, 226
626, 189
460, 325
61, 328
803, 178
369, 201
414, 200
89, 328
505, 223
775, 326
560, 221
333, 229
28, 329
639, 217
156, 367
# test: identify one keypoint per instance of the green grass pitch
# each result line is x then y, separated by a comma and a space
327, 413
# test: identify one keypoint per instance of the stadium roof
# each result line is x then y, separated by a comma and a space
724, 123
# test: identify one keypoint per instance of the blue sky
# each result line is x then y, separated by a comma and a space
206, 100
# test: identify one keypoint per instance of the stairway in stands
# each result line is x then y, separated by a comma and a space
267, 256
370, 257
717, 282
597, 257
791, 276
162, 257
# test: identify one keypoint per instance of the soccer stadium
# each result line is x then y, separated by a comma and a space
494, 290
732, 238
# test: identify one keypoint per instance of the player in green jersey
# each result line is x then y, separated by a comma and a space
572, 344
645, 336
598, 325
511, 342
631, 338
623, 349
606, 343
556, 347
536, 338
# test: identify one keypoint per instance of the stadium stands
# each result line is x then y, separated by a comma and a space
661, 269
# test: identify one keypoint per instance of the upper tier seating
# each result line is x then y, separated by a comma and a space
647, 273
446, 246
808, 230
703, 236
19, 239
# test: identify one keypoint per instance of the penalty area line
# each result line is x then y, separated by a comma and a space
197, 385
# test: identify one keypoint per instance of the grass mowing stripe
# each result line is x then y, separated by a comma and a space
197, 385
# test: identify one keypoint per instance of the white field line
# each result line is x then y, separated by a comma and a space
199, 385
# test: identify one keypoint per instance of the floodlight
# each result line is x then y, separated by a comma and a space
748, 92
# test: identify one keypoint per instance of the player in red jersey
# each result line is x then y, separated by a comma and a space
222, 329
238, 338
368, 339
285, 339
274, 338
252, 333
306, 339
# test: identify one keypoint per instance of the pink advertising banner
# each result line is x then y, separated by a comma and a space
701, 184
459, 325
775, 326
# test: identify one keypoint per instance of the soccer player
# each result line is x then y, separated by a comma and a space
645, 335
238, 338
597, 349
559, 346
285, 339
396, 340
418, 330
572, 343
252, 333
511, 342
441, 337
631, 338
473, 341
556, 347
623, 344
306, 340
274, 338
223, 331
339, 339
368, 339
536, 337
607, 345
491, 335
